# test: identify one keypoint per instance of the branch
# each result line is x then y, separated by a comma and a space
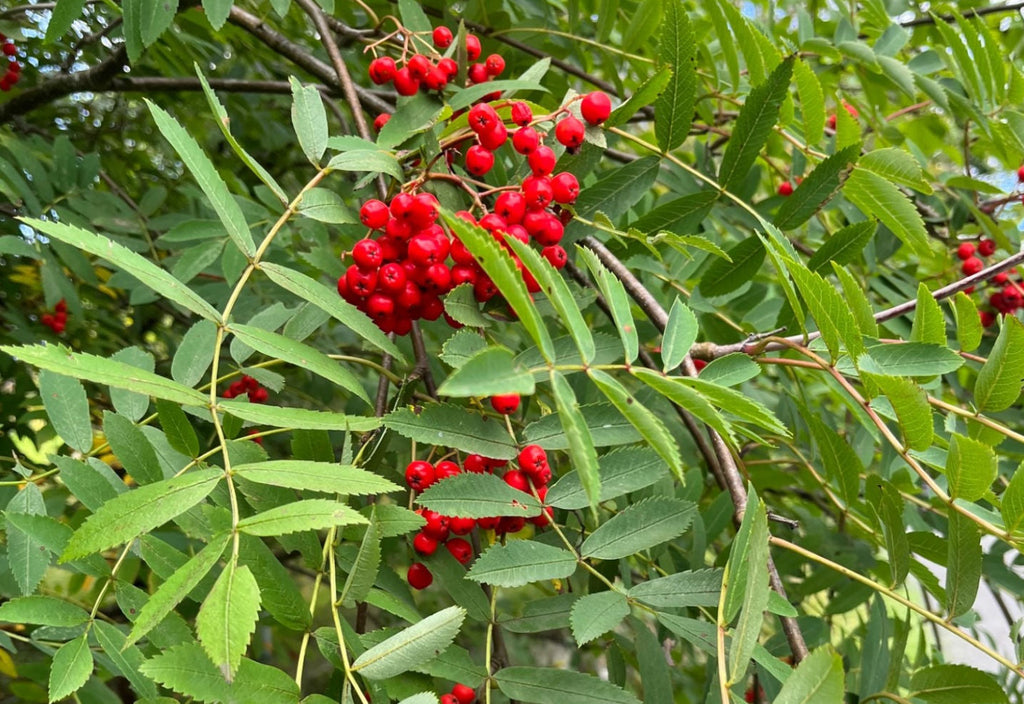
148, 84
729, 469
967, 14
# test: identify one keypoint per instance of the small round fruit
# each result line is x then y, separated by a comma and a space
517, 480
532, 458
565, 188
510, 524
460, 550
596, 107
785, 189
569, 132
405, 83
461, 526
465, 695
986, 247
556, 255
419, 576
479, 160
477, 73
489, 523
472, 47
419, 66
419, 475
542, 160
477, 464
965, 251
505, 404
382, 70
445, 469
449, 699
525, 140
495, 64
424, 544
381, 120
437, 525
374, 214
442, 37
522, 115
972, 266
367, 254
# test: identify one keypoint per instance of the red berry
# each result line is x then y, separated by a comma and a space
511, 206
986, 247
449, 699
525, 140
472, 47
482, 117
544, 517
61, 307
565, 188
437, 79
972, 266
505, 403
374, 214
442, 37
965, 251
438, 279
987, 318
569, 132
785, 189
464, 694
419, 576
510, 524
461, 526
542, 160
477, 73
367, 254
517, 480
14, 67
380, 306
596, 107
832, 121
532, 458
449, 67
405, 82
475, 463
538, 192
391, 278
419, 66
382, 70
522, 115
419, 475
424, 544
484, 289
381, 120
360, 282
699, 364
493, 137
1000, 278
10, 49
445, 469
489, 523
556, 255
47, 319
495, 64
259, 395
437, 525
460, 550
479, 160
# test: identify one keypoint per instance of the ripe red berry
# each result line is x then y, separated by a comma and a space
565, 188
537, 190
556, 255
475, 463
472, 47
542, 160
510, 524
517, 480
437, 79
461, 526
367, 254
391, 278
382, 70
479, 160
449, 699
437, 525
424, 544
259, 395
477, 73
988, 319
405, 82
544, 517
10, 49
460, 549
785, 189
495, 64
489, 523
525, 140
442, 37
569, 132
381, 120
965, 251
449, 67
493, 137
532, 458
464, 694
699, 364
419, 475
972, 266
511, 206
374, 214
445, 469
482, 117
505, 403
596, 107
419, 576
522, 115
360, 282
986, 247
419, 66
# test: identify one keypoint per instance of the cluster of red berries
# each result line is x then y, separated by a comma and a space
435, 73
58, 319
460, 694
533, 475
1008, 295
13, 72
249, 386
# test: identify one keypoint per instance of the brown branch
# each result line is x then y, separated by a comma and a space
729, 467
149, 84
967, 14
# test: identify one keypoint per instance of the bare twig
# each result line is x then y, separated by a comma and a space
967, 14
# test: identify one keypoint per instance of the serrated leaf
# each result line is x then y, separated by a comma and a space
538, 615
63, 16
999, 382
364, 570
607, 428
812, 101
728, 400
1012, 502
305, 418
615, 296
310, 514
309, 120
963, 563
412, 647
897, 166
372, 160
876, 197
595, 614
195, 353
578, 435
911, 359
227, 618
72, 665
521, 562
614, 193
176, 587
471, 495
680, 333
638, 527
843, 246
450, 575
620, 471
887, 505
217, 11
279, 592
492, 370
29, 541
646, 94
147, 272
757, 117
455, 427
842, 465
126, 658
971, 467
956, 684
816, 189
543, 685
93, 484
467, 96
929, 324
177, 428
105, 371
461, 304
140, 510
747, 587
687, 398
324, 205
416, 115
818, 678
680, 216
135, 452
329, 301
968, 325
910, 403
67, 407
831, 312
202, 169
722, 276
688, 588
673, 109
323, 477
42, 611
131, 405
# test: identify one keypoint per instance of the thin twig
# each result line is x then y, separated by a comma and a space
967, 14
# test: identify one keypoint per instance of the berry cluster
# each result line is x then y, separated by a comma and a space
249, 386
13, 72
460, 694
1007, 294
533, 476
58, 319
435, 73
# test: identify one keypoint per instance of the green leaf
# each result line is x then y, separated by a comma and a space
521, 562
614, 193
324, 205
305, 418
607, 428
578, 435
877, 197
194, 355
757, 117
971, 467
461, 304
492, 370
818, 678
178, 428
681, 216
594, 615
615, 296
831, 312
135, 264
155, 17
138, 511
28, 550
300, 355
544, 685
638, 527
370, 159
673, 110
643, 96
127, 659
680, 334
416, 115
310, 514
728, 400
750, 585
131, 405
202, 169
67, 408
688, 588
455, 427
136, 454
896, 165
227, 618
911, 359
329, 301
538, 615
64, 14
471, 495
999, 381
176, 587
412, 647
730, 370
364, 570
687, 398
413, 16
105, 371
910, 403
93, 484
42, 611
929, 323
968, 325
812, 101
886, 503
309, 119
816, 190
1012, 502
324, 477
72, 665
956, 684
843, 246
643, 419
279, 592
842, 465
722, 276
217, 12
450, 575
620, 472
963, 564
467, 96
